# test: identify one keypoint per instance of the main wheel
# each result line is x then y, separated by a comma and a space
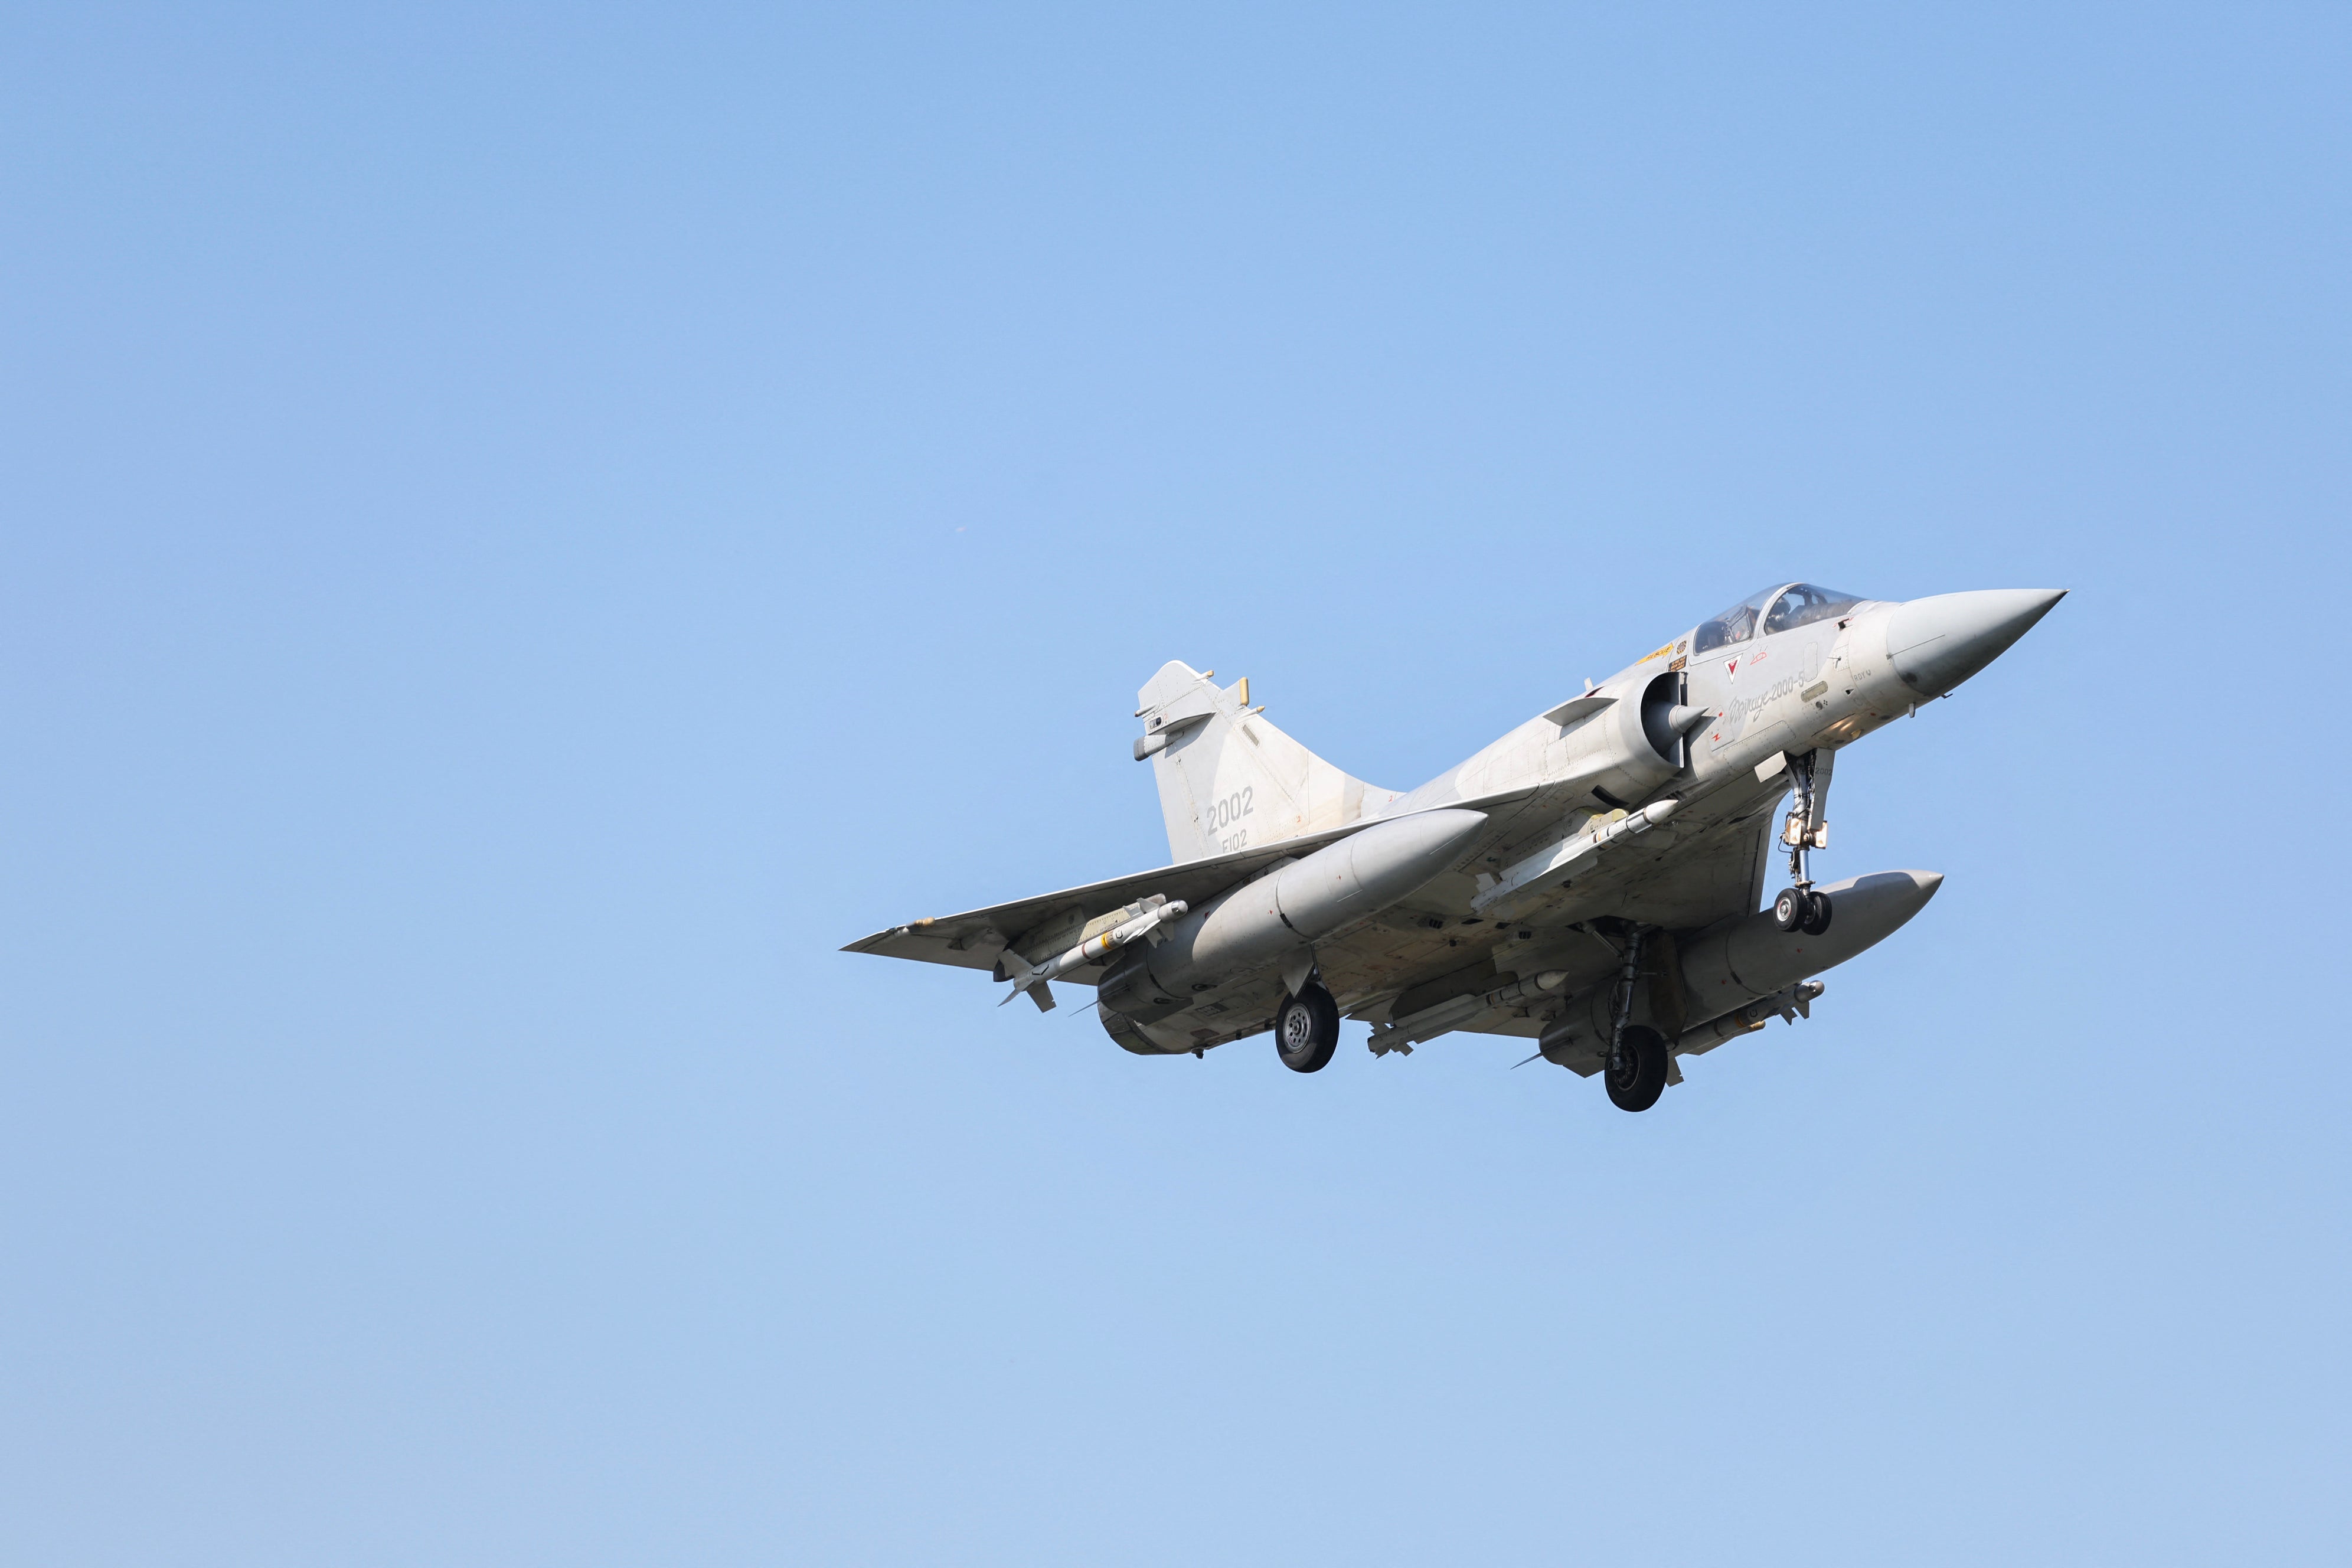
1817, 913
1306, 1029
1639, 1075
1788, 908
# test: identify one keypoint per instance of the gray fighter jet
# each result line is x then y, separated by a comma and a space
1590, 881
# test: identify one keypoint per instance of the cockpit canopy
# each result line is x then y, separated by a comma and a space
1792, 604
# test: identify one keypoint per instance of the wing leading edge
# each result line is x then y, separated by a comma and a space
977, 938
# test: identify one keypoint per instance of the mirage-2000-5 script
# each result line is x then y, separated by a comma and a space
1591, 882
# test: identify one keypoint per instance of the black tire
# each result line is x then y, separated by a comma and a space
1817, 913
1790, 909
1306, 1029
1636, 1083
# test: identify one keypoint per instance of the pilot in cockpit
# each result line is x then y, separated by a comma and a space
1797, 605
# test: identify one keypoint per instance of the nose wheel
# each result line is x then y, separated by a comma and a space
1805, 909
1801, 908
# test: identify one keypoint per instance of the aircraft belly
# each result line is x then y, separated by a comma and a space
1233, 1012
1415, 955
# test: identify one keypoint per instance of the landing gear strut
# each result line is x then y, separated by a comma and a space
1800, 907
1306, 1029
1635, 1072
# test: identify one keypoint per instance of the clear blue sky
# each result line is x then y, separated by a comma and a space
526, 528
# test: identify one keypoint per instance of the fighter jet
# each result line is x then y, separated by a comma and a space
1593, 882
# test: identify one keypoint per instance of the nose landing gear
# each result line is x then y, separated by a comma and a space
1801, 908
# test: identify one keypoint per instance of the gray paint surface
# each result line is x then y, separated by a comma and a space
1592, 818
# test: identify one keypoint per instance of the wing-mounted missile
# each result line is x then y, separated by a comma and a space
1101, 936
1789, 1004
1519, 884
1400, 1035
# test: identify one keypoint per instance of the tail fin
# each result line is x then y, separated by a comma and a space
1229, 780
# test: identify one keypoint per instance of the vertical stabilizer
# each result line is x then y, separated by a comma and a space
1229, 780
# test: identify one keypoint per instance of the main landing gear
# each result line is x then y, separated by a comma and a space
1638, 1062
1306, 1029
1636, 1073
1803, 907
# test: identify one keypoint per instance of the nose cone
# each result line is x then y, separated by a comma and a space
1936, 643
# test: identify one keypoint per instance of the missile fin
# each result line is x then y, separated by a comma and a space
1021, 973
